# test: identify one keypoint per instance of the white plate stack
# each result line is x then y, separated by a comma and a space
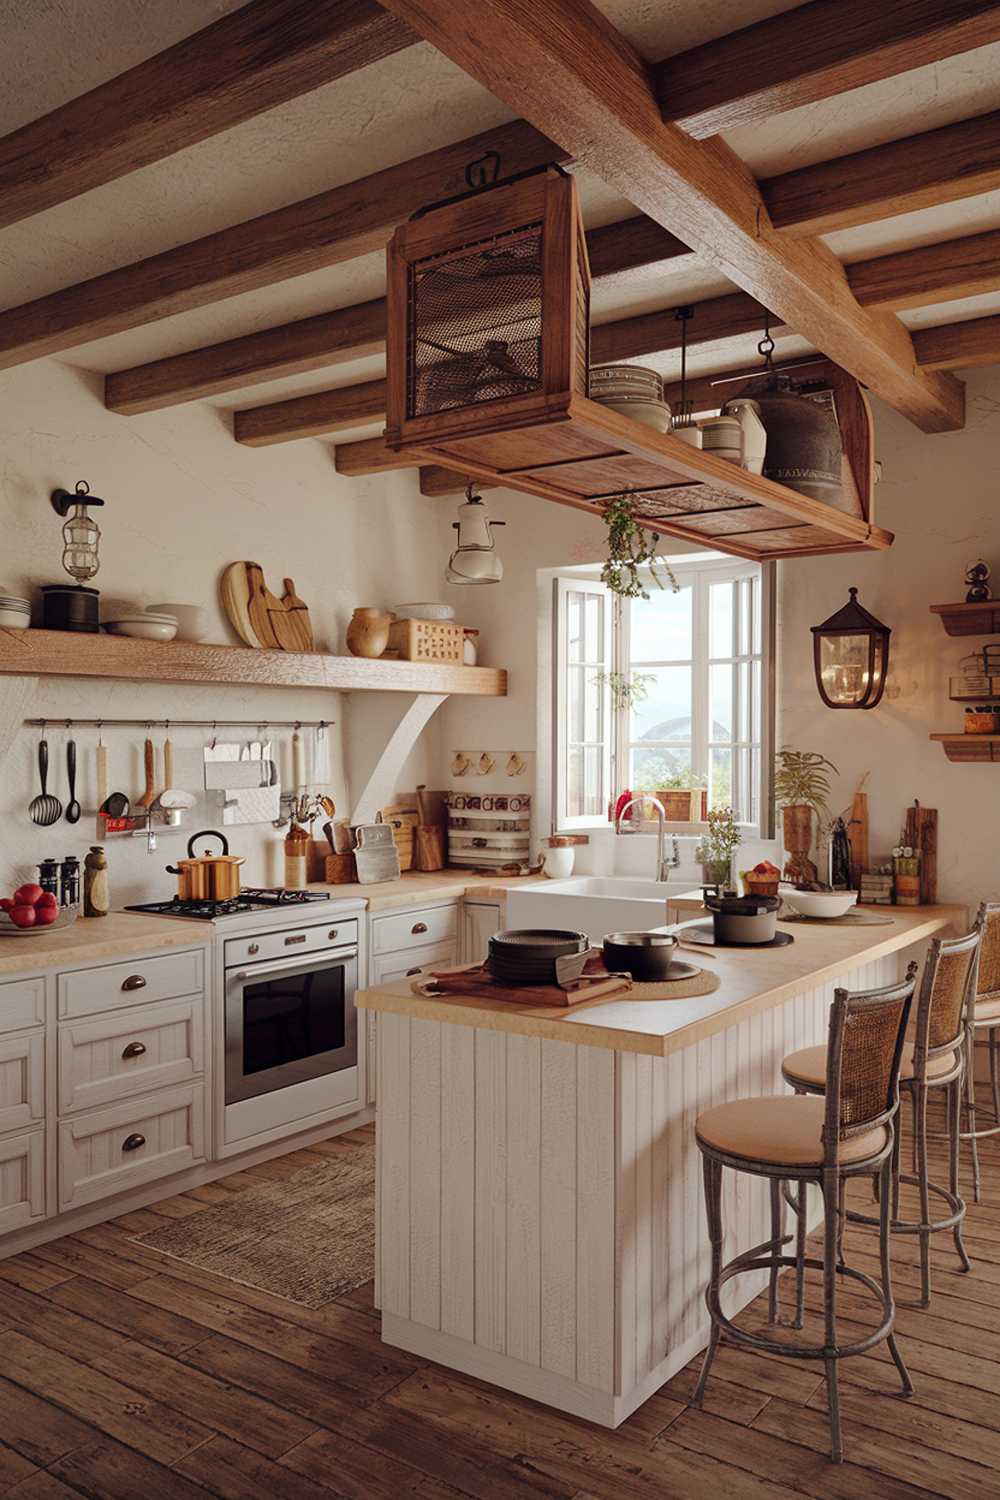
633, 391
15, 612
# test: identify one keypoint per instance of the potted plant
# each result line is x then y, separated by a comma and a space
684, 796
626, 688
801, 790
717, 848
630, 547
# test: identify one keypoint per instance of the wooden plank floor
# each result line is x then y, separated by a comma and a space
126, 1374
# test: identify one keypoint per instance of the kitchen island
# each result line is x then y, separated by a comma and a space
539, 1195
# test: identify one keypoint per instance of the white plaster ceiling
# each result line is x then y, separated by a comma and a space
410, 103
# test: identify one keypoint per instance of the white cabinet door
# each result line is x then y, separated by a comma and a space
129, 1052
22, 1180
22, 1079
387, 967
108, 1150
480, 920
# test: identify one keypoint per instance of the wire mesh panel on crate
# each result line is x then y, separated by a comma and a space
488, 311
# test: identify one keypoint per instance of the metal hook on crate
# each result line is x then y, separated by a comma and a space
483, 170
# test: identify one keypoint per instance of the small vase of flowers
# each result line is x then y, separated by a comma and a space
716, 850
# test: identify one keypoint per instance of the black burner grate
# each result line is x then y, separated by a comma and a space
250, 899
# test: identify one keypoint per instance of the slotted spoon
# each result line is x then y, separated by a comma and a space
44, 809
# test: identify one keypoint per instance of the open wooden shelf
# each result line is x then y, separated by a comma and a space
58, 653
582, 454
978, 618
970, 746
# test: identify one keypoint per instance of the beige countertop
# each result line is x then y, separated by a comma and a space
753, 980
114, 936
416, 887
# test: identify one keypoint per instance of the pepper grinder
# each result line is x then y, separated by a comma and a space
96, 895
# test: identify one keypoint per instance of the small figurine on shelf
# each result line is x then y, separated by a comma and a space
977, 576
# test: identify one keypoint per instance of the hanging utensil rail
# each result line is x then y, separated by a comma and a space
148, 723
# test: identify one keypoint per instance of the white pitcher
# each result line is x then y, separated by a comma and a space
754, 432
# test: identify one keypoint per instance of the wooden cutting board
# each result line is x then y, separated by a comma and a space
259, 617
922, 834
857, 831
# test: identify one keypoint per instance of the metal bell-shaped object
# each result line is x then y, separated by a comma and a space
803, 440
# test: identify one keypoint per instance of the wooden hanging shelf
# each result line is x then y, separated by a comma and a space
978, 618
59, 653
583, 454
969, 746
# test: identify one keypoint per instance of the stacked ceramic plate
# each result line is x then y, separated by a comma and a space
144, 627
15, 612
633, 391
531, 955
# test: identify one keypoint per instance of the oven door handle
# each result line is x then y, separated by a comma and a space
291, 965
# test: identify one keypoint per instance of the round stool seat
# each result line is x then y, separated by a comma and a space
784, 1129
808, 1067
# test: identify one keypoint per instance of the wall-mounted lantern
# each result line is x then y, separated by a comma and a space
851, 656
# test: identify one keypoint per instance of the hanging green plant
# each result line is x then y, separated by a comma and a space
631, 547
626, 688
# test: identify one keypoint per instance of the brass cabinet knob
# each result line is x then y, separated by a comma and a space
134, 982
133, 1142
134, 1049
418, 927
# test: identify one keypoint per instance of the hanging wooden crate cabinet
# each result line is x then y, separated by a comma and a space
487, 358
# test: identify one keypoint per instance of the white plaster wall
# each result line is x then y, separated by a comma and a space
183, 501
940, 496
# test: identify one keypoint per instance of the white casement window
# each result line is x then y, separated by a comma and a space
701, 661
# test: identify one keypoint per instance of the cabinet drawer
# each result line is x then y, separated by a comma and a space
110, 1150
22, 1003
407, 965
22, 1079
22, 1180
130, 1052
414, 929
114, 986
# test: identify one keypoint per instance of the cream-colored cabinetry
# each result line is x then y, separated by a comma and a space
22, 1179
106, 1151
106, 1058
480, 920
402, 945
22, 1103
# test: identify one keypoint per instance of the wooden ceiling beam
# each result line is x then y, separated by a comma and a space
811, 52
919, 171
289, 349
368, 456
563, 65
246, 62
942, 272
310, 416
332, 227
616, 251
955, 345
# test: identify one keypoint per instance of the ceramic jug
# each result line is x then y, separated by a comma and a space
368, 632
747, 413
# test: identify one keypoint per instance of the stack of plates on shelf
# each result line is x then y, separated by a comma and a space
632, 391
423, 611
490, 829
15, 612
144, 627
533, 955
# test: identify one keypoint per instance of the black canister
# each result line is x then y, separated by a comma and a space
69, 891
65, 607
48, 876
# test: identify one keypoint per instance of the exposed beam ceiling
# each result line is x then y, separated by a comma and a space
350, 333
321, 231
370, 456
953, 345
937, 166
932, 273
809, 53
246, 62
561, 63
310, 416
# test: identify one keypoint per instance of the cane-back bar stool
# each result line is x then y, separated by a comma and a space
985, 1016
934, 1059
850, 1132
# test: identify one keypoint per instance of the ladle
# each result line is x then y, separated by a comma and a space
73, 809
44, 809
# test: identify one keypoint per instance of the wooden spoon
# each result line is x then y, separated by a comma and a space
149, 795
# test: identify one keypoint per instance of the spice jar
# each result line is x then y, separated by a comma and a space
96, 895
48, 876
296, 848
906, 875
69, 881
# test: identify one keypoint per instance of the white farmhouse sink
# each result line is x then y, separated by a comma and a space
594, 904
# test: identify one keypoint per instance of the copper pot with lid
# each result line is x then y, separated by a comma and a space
208, 877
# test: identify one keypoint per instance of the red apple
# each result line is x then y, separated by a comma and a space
46, 902
44, 914
23, 916
5, 903
27, 895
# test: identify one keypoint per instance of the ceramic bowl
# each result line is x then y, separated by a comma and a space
650, 413
423, 611
638, 380
819, 903
143, 627
15, 614
192, 619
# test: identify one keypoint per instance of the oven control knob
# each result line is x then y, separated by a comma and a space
253, 948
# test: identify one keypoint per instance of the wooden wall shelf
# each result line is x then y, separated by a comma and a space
582, 454
970, 619
57, 653
969, 746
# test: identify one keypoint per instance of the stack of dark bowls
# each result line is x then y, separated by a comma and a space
533, 955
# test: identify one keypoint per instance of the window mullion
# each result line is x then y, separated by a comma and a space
700, 696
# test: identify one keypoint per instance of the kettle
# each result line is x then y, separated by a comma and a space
210, 877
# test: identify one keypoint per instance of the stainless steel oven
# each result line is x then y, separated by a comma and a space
289, 1009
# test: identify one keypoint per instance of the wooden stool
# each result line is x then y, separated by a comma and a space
935, 1059
849, 1133
985, 1016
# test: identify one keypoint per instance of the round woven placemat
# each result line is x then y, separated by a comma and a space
849, 919
702, 983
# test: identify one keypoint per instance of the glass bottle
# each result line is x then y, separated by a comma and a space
48, 876
96, 895
69, 881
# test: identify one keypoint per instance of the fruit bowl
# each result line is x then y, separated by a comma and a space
67, 916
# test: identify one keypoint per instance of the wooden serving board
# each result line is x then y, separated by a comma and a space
259, 617
922, 834
476, 982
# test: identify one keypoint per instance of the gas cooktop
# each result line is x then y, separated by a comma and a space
250, 899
